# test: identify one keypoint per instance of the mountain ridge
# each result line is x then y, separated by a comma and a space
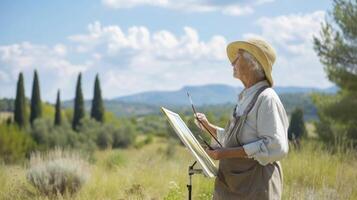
207, 94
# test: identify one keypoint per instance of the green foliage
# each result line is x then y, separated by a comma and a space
57, 172
337, 45
36, 109
329, 128
58, 113
97, 111
20, 113
15, 143
107, 135
104, 140
297, 127
337, 49
148, 139
78, 112
114, 160
124, 136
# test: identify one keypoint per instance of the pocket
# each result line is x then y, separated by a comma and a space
241, 181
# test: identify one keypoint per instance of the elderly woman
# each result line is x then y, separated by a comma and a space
255, 138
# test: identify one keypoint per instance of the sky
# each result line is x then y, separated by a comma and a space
145, 45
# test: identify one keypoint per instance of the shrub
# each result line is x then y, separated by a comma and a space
40, 131
123, 136
57, 172
104, 140
15, 144
115, 159
148, 140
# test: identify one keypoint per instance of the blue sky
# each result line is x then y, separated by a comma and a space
146, 45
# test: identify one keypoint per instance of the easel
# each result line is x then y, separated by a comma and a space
192, 171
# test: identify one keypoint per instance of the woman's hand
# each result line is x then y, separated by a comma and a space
222, 153
203, 119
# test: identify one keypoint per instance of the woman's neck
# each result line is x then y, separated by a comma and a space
249, 82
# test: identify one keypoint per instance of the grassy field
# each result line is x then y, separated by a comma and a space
157, 171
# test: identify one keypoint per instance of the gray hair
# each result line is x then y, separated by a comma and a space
256, 66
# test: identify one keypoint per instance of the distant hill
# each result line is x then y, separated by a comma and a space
217, 98
206, 95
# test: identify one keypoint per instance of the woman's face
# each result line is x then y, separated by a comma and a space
240, 66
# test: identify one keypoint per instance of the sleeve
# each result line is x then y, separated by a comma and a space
272, 125
220, 133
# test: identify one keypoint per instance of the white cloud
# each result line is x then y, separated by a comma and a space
136, 59
291, 35
237, 10
60, 49
26, 57
133, 3
128, 61
138, 40
292, 32
225, 7
4, 77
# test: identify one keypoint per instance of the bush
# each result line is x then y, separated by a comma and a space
115, 159
148, 140
104, 140
57, 172
15, 144
124, 136
90, 135
40, 131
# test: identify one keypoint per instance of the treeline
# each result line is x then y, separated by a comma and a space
21, 112
39, 126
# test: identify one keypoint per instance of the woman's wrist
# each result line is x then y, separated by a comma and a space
237, 152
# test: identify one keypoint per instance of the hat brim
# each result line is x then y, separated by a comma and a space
232, 50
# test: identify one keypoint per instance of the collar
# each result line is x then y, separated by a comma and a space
252, 89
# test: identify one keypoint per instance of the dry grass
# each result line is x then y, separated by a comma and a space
147, 173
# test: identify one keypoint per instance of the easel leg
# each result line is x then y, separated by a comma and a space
191, 171
189, 187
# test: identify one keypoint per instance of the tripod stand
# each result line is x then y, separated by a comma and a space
192, 171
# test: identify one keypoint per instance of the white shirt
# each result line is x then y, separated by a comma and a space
264, 134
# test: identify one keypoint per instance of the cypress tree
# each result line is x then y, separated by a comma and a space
97, 111
297, 127
20, 115
36, 106
58, 116
78, 104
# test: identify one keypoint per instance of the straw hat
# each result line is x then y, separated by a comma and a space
261, 50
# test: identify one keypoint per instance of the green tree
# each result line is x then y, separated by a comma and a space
78, 104
297, 127
20, 114
36, 105
15, 144
337, 49
97, 111
58, 115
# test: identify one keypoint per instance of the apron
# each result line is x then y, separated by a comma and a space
245, 178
